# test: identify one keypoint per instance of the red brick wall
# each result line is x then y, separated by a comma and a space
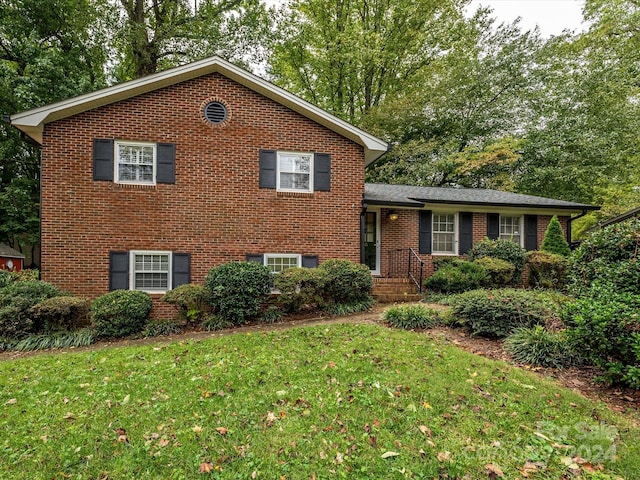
215, 210
403, 233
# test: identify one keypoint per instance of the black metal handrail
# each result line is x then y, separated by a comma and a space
406, 263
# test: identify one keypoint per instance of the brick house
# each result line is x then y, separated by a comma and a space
148, 184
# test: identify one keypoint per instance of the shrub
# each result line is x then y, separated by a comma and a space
157, 328
346, 282
439, 261
215, 322
497, 313
77, 338
300, 288
121, 313
547, 270
189, 300
554, 241
458, 276
538, 346
61, 314
349, 308
5, 278
504, 250
499, 272
236, 290
605, 328
271, 314
610, 256
410, 316
16, 301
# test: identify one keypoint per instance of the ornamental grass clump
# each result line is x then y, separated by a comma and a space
410, 317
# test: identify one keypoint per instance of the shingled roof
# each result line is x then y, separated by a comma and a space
7, 251
412, 196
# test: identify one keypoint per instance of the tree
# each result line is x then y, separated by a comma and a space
347, 56
554, 241
158, 34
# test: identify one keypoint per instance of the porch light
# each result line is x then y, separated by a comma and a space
393, 215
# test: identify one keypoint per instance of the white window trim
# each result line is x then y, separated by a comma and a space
297, 256
116, 162
311, 169
132, 270
521, 225
456, 231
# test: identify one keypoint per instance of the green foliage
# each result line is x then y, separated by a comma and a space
16, 301
541, 347
346, 282
5, 278
61, 314
505, 250
237, 290
605, 328
271, 314
411, 316
547, 270
499, 272
215, 322
73, 339
498, 313
349, 308
457, 276
190, 301
610, 256
121, 313
162, 328
300, 288
554, 241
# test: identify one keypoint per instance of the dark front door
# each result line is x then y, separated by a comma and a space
371, 240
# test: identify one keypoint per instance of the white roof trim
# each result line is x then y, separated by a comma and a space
32, 122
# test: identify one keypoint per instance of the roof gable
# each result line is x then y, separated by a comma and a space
32, 122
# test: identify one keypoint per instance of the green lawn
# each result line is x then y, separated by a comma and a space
333, 401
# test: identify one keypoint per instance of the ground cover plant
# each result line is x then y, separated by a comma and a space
330, 401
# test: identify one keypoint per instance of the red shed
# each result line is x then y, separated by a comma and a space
10, 259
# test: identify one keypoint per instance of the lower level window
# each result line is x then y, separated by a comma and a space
150, 271
279, 262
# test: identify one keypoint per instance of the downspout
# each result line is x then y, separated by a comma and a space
571, 219
363, 211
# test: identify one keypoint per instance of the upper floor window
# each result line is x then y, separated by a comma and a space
135, 163
295, 172
511, 229
444, 233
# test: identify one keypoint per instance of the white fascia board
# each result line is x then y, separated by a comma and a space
32, 122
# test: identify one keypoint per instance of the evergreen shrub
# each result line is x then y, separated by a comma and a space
121, 313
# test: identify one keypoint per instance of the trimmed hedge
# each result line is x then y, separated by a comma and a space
499, 272
61, 314
190, 301
499, 312
121, 313
505, 250
457, 276
346, 282
237, 290
300, 288
16, 301
547, 270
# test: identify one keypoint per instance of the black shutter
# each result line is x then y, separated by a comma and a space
493, 226
268, 164
322, 172
252, 257
118, 270
466, 233
103, 159
181, 269
309, 261
424, 232
531, 232
166, 156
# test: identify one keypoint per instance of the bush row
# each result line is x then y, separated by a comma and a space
31, 310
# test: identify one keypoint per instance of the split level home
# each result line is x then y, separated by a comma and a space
150, 183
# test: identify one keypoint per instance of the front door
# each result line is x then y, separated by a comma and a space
371, 243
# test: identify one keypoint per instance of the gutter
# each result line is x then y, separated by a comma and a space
571, 219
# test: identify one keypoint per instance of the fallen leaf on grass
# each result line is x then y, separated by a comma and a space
122, 435
222, 430
493, 471
426, 430
69, 416
389, 454
206, 467
11, 401
271, 418
444, 456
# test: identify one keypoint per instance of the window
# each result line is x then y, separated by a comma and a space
135, 163
444, 233
295, 172
280, 262
510, 229
150, 271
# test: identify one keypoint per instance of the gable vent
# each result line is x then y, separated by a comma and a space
215, 112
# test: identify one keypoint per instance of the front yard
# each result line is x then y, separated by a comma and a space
322, 401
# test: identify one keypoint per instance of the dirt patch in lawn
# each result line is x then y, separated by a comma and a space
581, 380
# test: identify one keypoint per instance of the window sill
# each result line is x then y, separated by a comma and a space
294, 194
135, 186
